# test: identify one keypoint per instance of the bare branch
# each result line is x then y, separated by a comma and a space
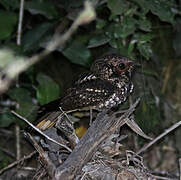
38, 130
21, 12
99, 131
50, 167
143, 149
180, 167
17, 162
18, 147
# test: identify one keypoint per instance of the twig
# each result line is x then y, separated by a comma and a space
18, 66
179, 167
17, 128
18, 148
18, 161
21, 12
161, 177
159, 137
5, 132
50, 167
38, 130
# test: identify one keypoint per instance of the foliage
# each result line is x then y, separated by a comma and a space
7, 24
140, 29
122, 26
47, 89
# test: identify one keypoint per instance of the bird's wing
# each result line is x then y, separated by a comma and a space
91, 92
82, 96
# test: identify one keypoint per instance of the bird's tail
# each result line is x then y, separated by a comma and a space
48, 120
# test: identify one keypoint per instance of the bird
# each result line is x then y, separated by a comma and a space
106, 85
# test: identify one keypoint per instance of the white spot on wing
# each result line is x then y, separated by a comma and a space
89, 89
131, 88
87, 78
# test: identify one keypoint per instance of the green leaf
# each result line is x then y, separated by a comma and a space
14, 4
117, 44
109, 31
144, 5
140, 38
121, 29
48, 90
143, 37
113, 43
26, 107
28, 110
162, 9
144, 24
100, 23
131, 47
145, 50
19, 94
143, 43
125, 28
6, 119
98, 40
44, 8
69, 4
33, 37
78, 53
118, 7
7, 22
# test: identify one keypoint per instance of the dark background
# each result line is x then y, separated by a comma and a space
147, 31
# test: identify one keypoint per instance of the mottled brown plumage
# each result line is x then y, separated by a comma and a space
108, 84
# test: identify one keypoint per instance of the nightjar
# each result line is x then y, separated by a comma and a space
107, 85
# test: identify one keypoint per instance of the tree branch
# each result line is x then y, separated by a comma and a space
100, 130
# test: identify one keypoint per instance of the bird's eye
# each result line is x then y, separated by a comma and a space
121, 66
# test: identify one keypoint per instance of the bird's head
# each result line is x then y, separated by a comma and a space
113, 65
